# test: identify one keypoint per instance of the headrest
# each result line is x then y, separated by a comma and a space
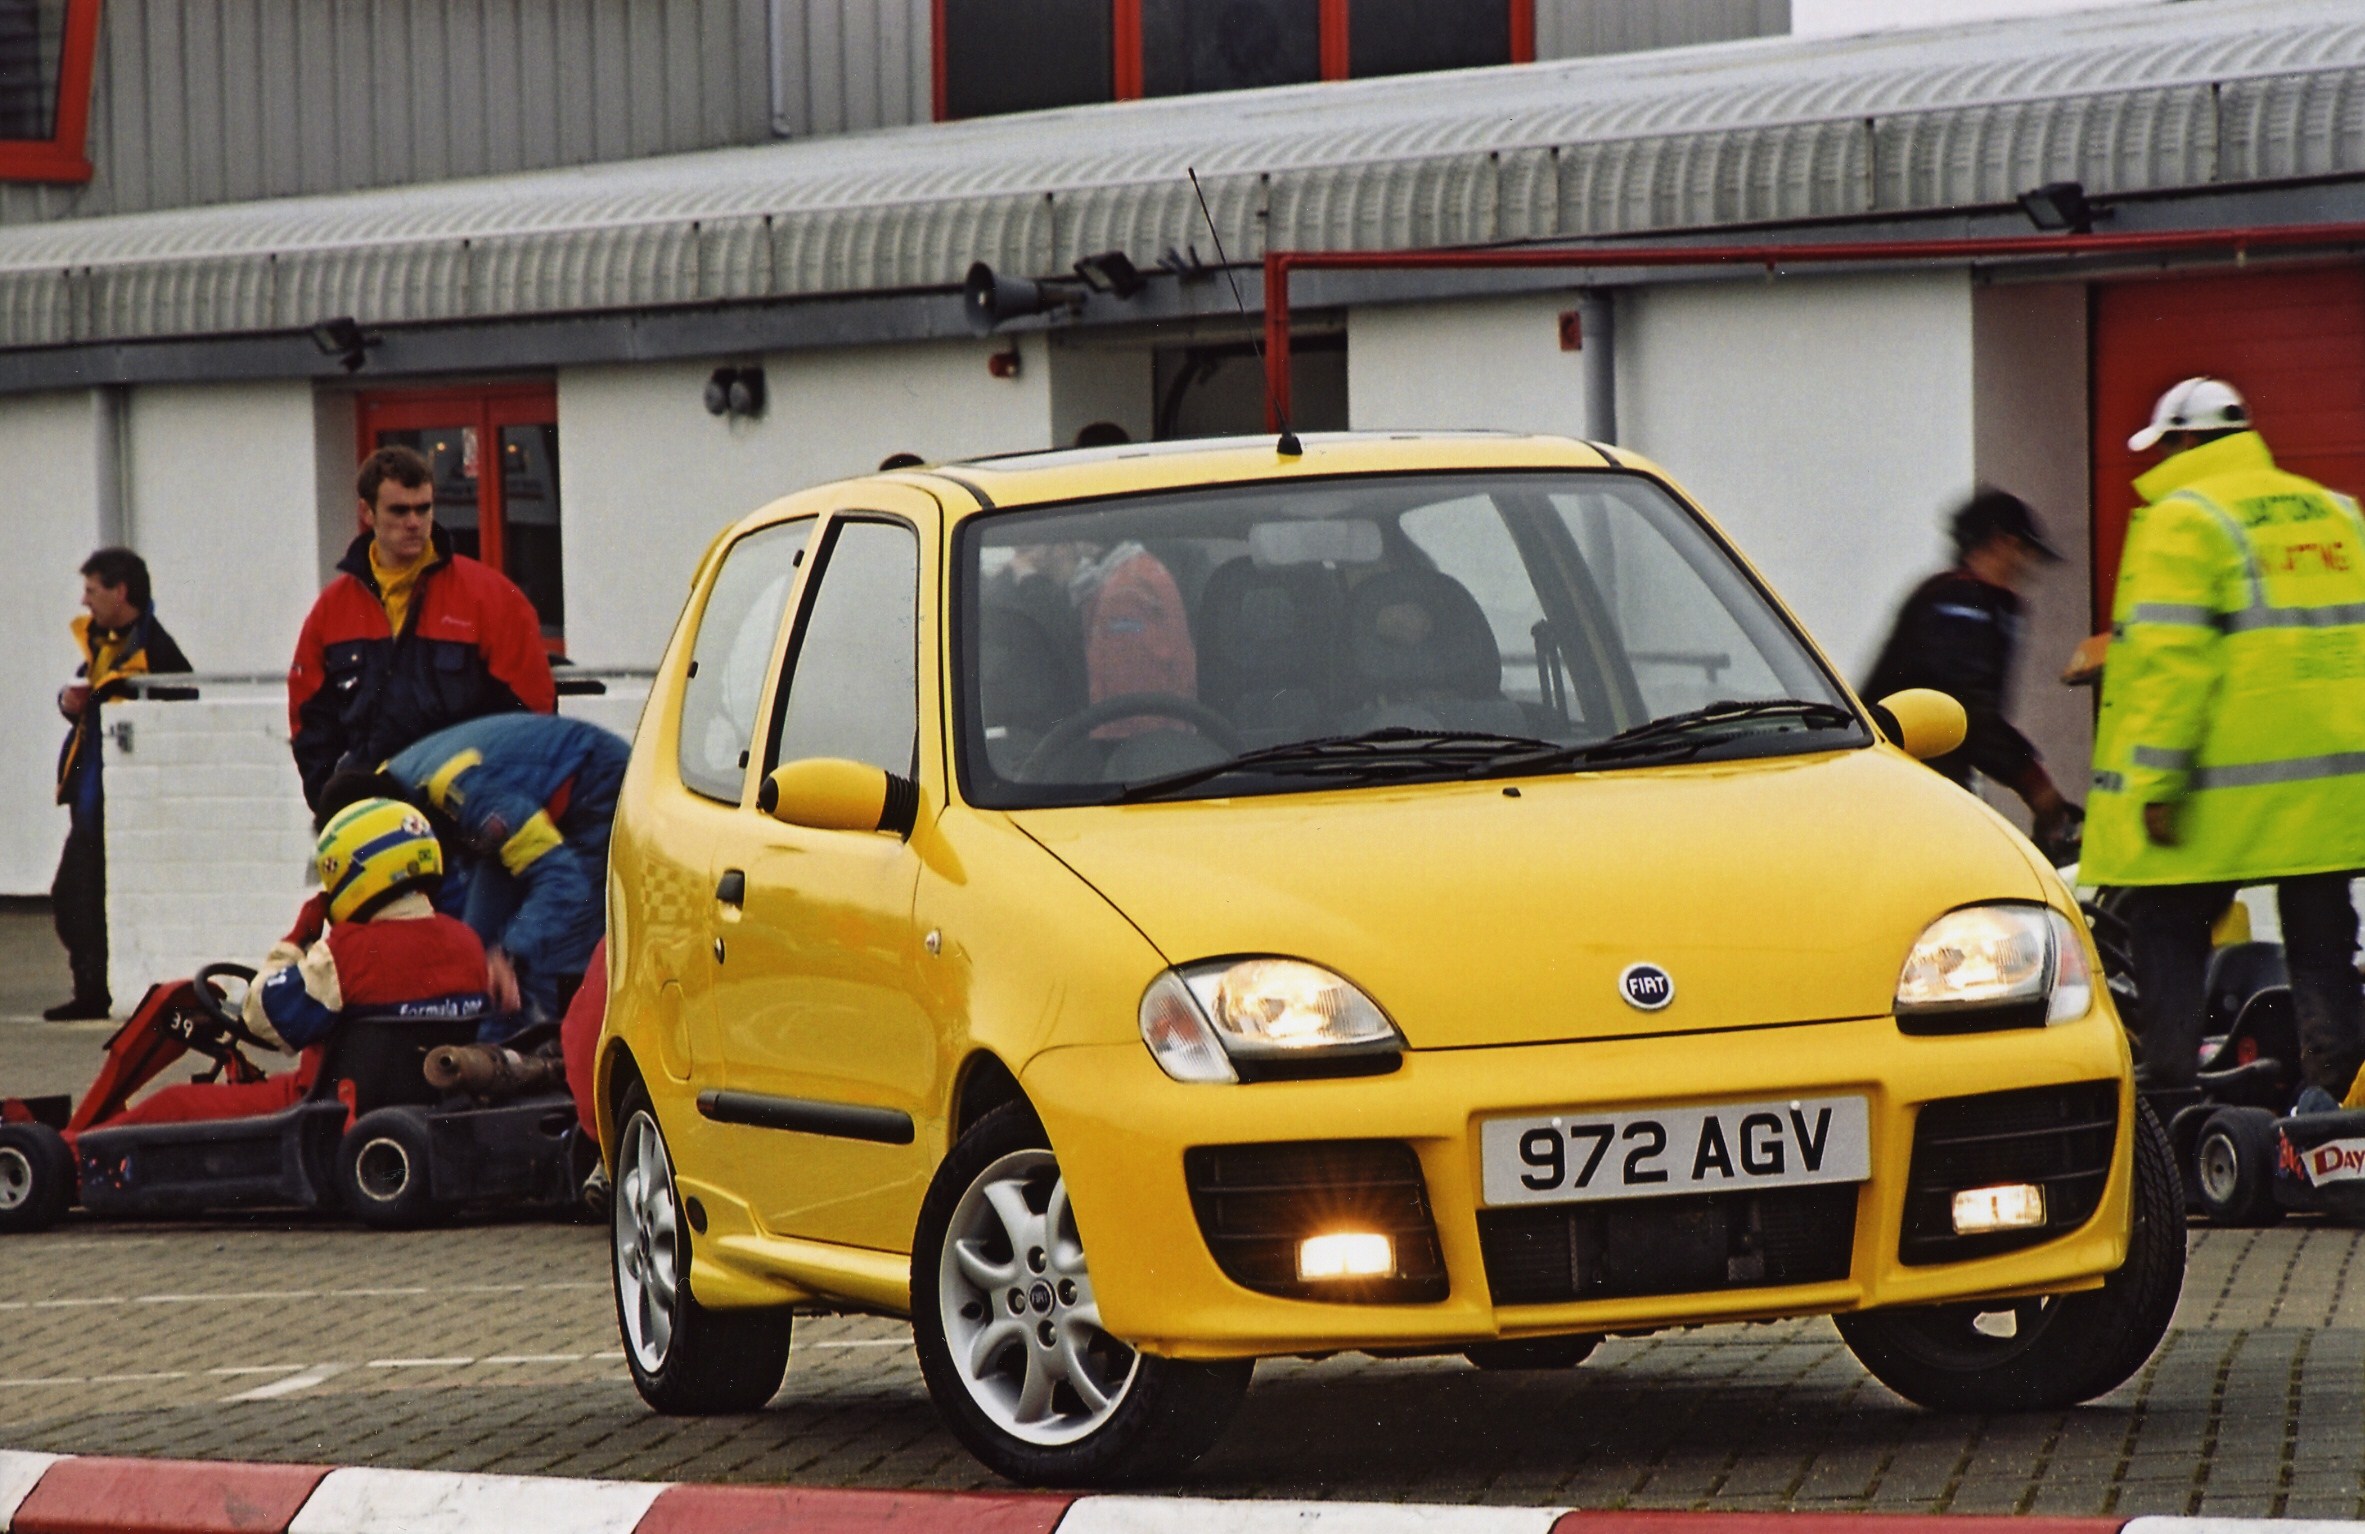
1415, 632
1269, 625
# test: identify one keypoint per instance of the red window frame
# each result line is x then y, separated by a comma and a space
488, 408
1125, 70
63, 156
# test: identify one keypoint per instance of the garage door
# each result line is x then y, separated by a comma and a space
2292, 342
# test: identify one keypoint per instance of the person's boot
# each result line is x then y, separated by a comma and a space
80, 1009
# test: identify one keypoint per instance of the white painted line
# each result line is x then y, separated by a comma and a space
864, 1342
133, 1379
1192, 1515
371, 1294
209, 1299
232, 1369
315, 1375
609, 1358
421, 1363
38, 1382
533, 1358
440, 1502
20, 1472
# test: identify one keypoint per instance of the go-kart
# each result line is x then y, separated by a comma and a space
372, 1135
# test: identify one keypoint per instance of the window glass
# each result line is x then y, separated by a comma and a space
1224, 45
854, 692
1402, 37
732, 655
30, 33
1024, 55
529, 520
1468, 542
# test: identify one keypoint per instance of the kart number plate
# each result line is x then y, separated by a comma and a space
1655, 1153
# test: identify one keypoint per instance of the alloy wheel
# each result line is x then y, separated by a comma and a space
647, 1237
1019, 1316
16, 1178
2218, 1168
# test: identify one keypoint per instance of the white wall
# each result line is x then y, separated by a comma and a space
1090, 384
1492, 363
648, 477
49, 464
224, 488
1825, 422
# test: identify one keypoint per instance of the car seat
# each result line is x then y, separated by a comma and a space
1027, 681
1269, 648
1421, 645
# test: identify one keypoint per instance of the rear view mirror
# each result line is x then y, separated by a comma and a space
1338, 541
1923, 722
827, 793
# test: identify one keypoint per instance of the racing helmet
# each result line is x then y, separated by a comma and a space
372, 850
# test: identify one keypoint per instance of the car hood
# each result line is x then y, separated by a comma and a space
1771, 891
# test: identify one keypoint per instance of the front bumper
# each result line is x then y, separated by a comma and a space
1121, 1128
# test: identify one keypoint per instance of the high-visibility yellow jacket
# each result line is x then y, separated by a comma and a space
2235, 685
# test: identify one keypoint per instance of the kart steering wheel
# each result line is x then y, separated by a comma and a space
1065, 735
214, 1002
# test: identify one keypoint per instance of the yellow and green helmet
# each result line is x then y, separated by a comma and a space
371, 850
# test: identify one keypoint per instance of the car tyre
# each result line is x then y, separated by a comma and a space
1007, 1329
1534, 1352
686, 1359
36, 1178
2233, 1167
382, 1170
2058, 1351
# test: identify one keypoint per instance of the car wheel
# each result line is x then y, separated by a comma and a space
2042, 1354
382, 1170
1009, 1335
2234, 1167
686, 1359
36, 1178
1534, 1352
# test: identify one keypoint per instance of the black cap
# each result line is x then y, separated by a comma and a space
2000, 514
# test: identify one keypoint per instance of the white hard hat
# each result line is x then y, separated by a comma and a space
2197, 404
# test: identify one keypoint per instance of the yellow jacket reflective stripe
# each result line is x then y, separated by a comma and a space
2235, 687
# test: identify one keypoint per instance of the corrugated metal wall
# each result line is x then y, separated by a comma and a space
840, 66
204, 101
1567, 29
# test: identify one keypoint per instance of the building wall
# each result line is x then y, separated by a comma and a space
840, 66
1493, 364
1569, 28
649, 477
2030, 411
1825, 422
205, 101
49, 444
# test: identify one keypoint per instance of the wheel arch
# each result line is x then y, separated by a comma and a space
984, 1084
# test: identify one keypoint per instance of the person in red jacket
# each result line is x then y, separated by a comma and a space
409, 638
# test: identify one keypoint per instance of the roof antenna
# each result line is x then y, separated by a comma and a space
1288, 446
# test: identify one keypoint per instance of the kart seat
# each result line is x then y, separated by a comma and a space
384, 1054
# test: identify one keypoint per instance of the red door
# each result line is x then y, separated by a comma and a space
494, 451
2292, 342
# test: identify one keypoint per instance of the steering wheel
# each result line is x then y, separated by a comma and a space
1069, 732
214, 1001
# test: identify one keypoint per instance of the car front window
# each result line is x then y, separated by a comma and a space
1327, 633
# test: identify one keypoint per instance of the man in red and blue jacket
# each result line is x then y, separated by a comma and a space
409, 637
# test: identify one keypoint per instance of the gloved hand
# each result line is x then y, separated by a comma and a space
2059, 832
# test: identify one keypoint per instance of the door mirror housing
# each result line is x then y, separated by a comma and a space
1924, 722
828, 793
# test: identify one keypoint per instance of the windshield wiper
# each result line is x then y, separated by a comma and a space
1393, 751
1673, 737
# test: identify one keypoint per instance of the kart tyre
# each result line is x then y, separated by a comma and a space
382, 1174
686, 1359
2042, 1354
1009, 1337
36, 1178
2233, 1167
1534, 1352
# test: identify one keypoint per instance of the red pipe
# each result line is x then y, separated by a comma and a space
1280, 263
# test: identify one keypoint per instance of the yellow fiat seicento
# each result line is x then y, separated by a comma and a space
1140, 910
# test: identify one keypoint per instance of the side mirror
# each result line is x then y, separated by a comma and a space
1923, 722
828, 793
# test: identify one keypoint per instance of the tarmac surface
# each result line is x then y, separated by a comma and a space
492, 1347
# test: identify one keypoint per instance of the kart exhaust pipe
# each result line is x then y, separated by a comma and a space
488, 1070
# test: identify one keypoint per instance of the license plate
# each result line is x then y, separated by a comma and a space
1655, 1153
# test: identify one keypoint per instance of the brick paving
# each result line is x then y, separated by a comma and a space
492, 1347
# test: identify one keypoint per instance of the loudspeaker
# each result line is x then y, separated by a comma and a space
988, 300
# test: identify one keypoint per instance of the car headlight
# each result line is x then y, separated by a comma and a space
2022, 961
1204, 1020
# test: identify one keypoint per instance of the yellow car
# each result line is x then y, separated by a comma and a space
1140, 910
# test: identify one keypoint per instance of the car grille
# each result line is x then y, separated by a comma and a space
1679, 1245
1255, 1203
2059, 1138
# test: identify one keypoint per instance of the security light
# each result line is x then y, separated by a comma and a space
1111, 272
344, 339
2060, 206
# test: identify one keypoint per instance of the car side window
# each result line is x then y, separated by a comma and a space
732, 655
853, 686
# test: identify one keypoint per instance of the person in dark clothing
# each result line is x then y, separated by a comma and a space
409, 638
1958, 633
119, 638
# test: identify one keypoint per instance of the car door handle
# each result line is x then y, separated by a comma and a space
731, 890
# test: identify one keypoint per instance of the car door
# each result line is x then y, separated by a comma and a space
829, 1055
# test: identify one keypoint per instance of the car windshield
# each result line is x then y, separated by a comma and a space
1277, 638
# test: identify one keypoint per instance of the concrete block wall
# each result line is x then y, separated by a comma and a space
209, 846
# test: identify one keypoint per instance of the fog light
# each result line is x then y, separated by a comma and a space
1346, 1254
2010, 1206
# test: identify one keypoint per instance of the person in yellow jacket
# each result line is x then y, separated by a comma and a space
2231, 746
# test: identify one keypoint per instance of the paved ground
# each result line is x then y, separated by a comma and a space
492, 1348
